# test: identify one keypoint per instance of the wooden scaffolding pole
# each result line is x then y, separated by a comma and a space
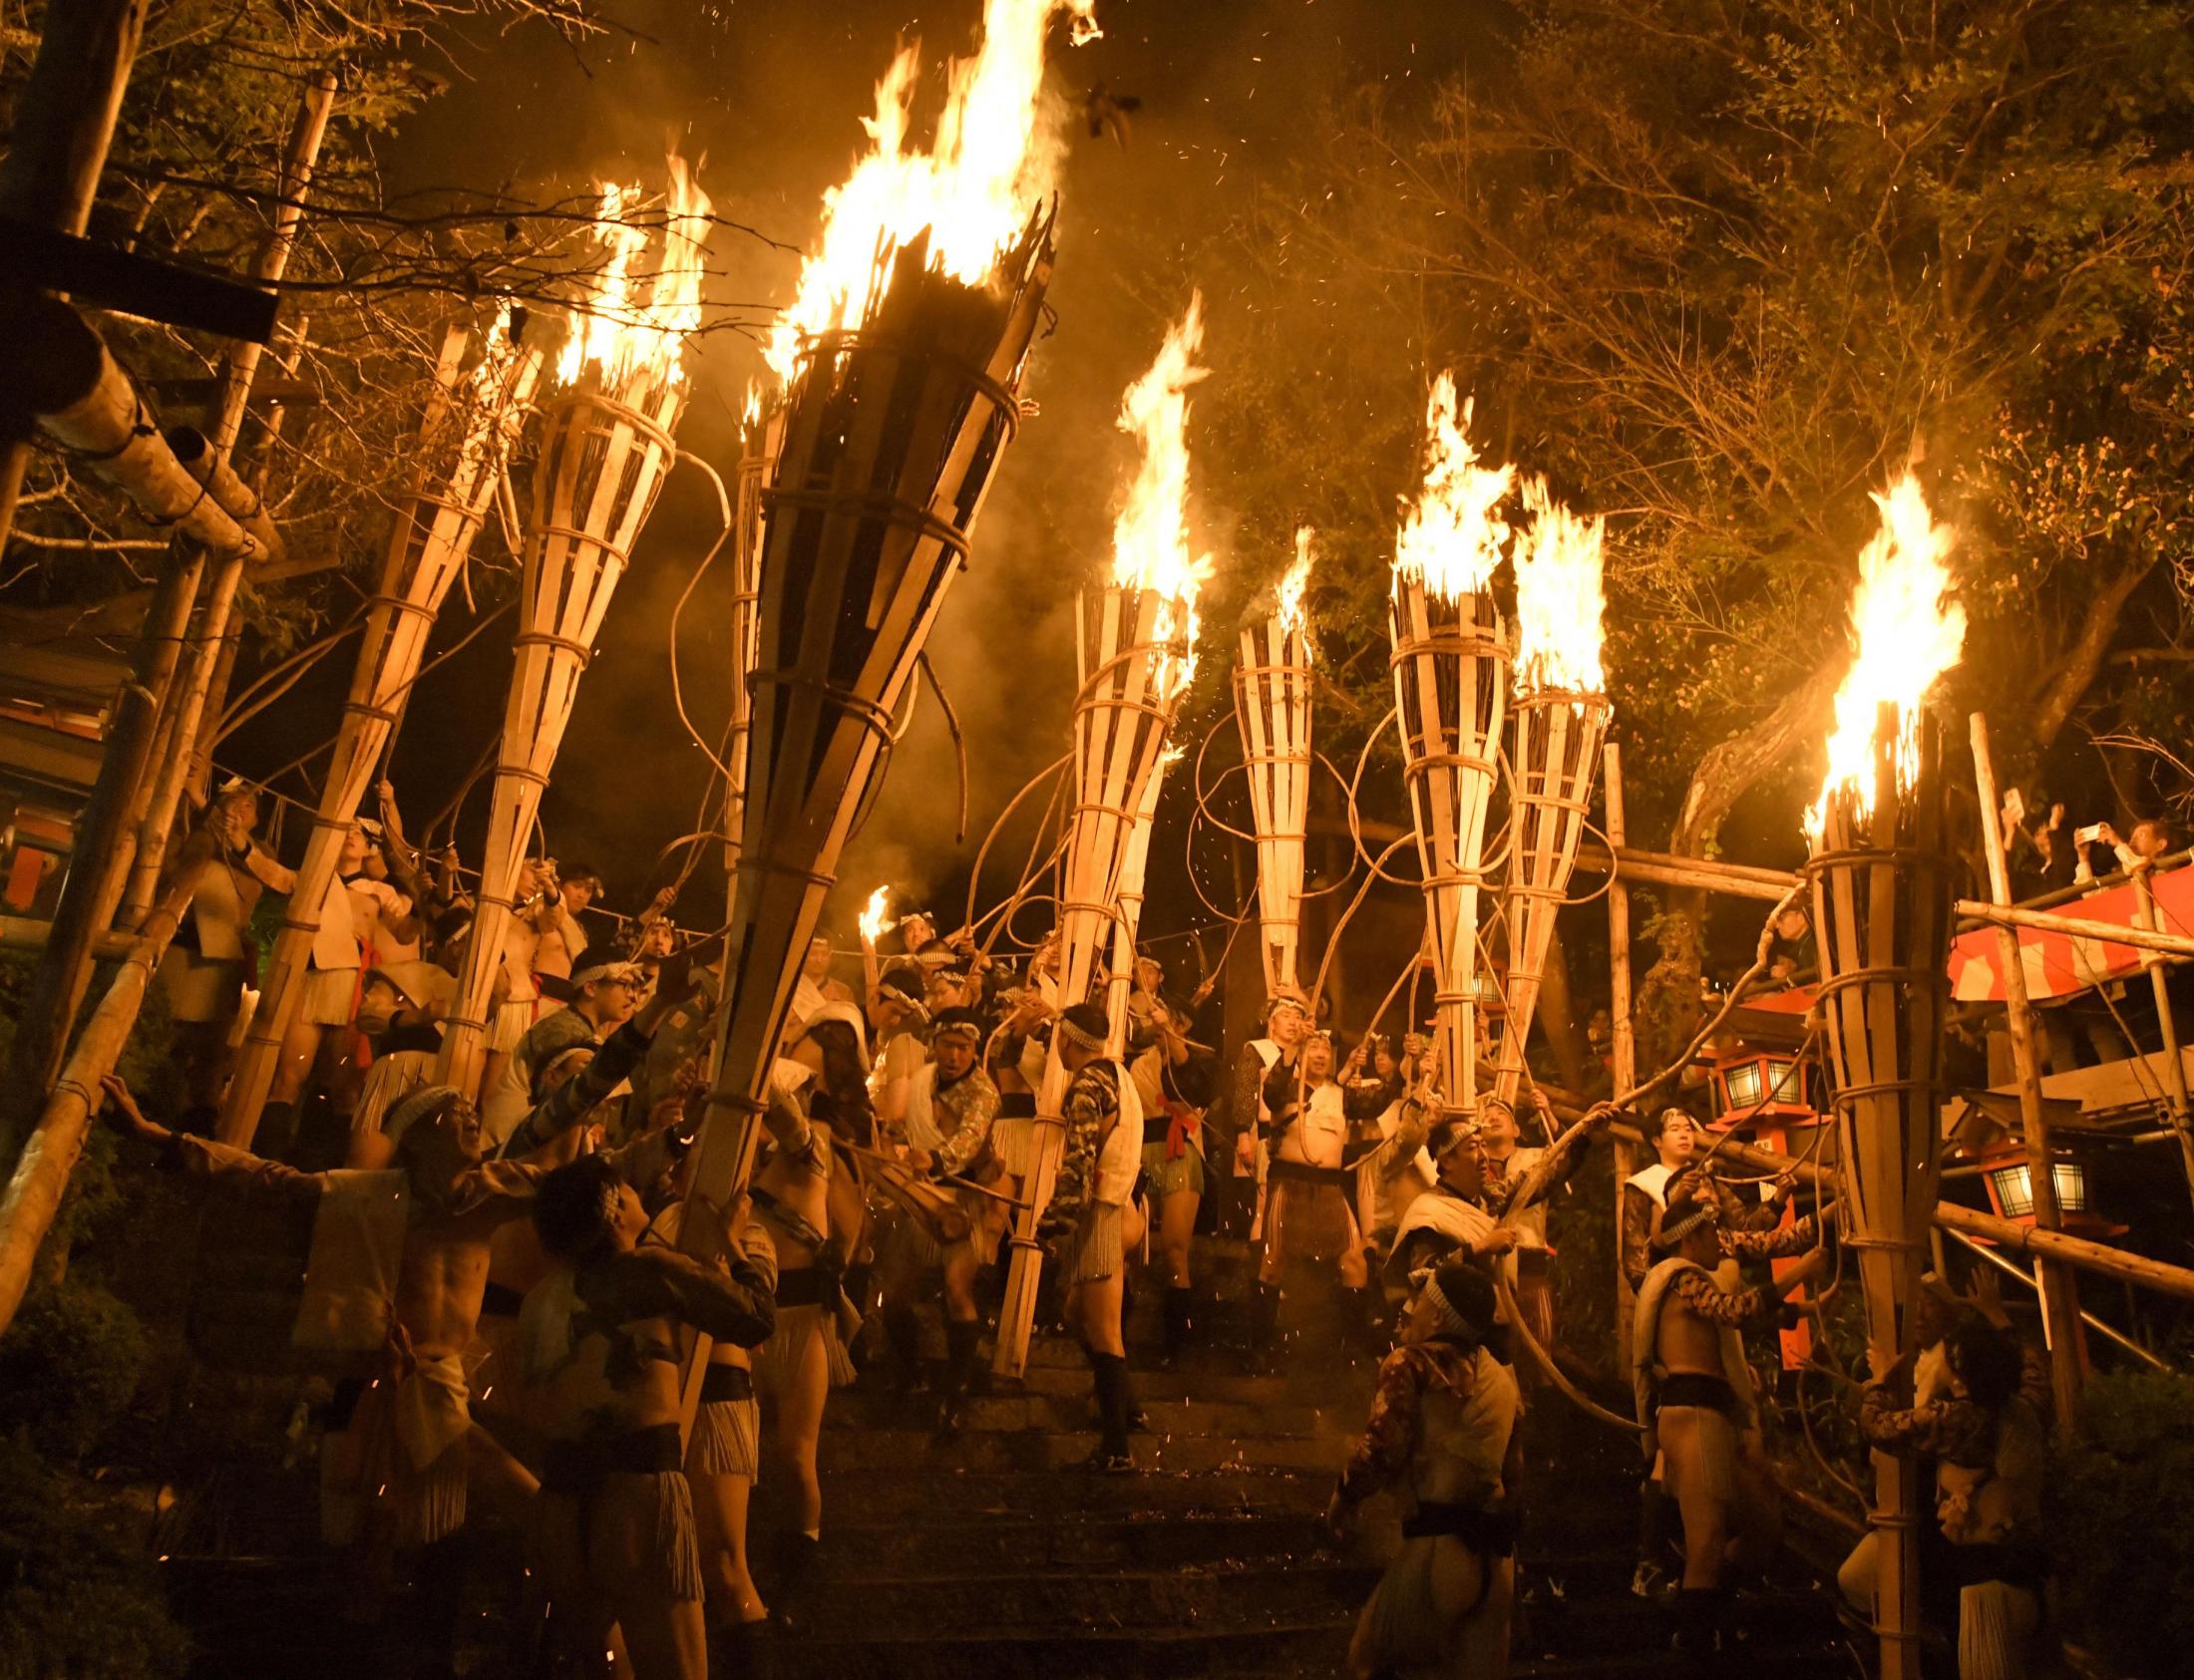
463, 443
2174, 1070
2058, 1290
1625, 1038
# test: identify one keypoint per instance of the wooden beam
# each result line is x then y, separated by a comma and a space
45, 258
2059, 1291
28, 933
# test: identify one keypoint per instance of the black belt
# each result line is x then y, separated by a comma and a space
1531, 1261
1157, 1130
1490, 1531
576, 1469
726, 1382
1016, 1105
807, 1286
2014, 1564
1692, 1388
501, 1300
1302, 1172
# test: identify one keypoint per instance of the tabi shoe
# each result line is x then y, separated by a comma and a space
1114, 1408
902, 1338
1699, 1627
962, 1351
796, 1555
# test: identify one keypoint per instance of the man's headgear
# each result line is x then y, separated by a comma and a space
1661, 1121
1086, 1025
846, 1015
608, 973
428, 1102
1449, 1135
904, 985
1286, 1000
957, 1023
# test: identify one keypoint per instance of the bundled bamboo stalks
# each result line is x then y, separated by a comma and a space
892, 433
606, 441
1561, 719
1134, 867
1879, 874
760, 430
1273, 688
1134, 642
1451, 680
465, 439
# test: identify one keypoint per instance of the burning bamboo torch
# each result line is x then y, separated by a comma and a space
606, 441
1560, 717
871, 924
1134, 867
1880, 870
1135, 645
1451, 678
903, 357
1273, 686
759, 430
464, 440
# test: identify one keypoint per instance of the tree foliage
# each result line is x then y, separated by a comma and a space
1720, 269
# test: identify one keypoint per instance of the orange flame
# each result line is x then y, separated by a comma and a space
992, 160
872, 921
624, 341
1288, 599
1451, 537
1150, 538
1558, 598
1909, 633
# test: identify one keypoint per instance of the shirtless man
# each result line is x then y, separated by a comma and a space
1693, 1392
417, 1445
563, 940
351, 918
209, 963
600, 1334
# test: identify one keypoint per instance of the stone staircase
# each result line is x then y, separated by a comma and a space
994, 1556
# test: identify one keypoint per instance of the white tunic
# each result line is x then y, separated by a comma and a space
1320, 1134
1121, 1158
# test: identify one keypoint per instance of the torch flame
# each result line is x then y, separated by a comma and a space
1451, 537
990, 163
871, 915
1150, 538
1908, 632
621, 339
1292, 587
1558, 598
751, 411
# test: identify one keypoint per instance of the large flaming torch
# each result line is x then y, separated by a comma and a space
1560, 717
904, 356
606, 441
464, 439
1451, 678
759, 428
1882, 907
1134, 642
1272, 685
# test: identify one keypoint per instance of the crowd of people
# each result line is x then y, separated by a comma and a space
532, 1271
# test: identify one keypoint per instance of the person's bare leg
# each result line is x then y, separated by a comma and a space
720, 1515
1176, 1235
300, 1050
665, 1638
798, 1428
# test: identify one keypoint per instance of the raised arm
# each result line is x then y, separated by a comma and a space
732, 1305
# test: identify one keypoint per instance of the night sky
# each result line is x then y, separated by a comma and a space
771, 94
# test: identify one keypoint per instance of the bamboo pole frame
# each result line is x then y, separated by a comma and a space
892, 436
1451, 682
603, 457
472, 420
1132, 654
1273, 686
2058, 1290
1134, 867
1625, 1032
1558, 737
759, 435
1882, 906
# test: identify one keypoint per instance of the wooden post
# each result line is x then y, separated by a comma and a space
2174, 1071
1626, 1037
39, 1176
213, 647
2059, 1293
